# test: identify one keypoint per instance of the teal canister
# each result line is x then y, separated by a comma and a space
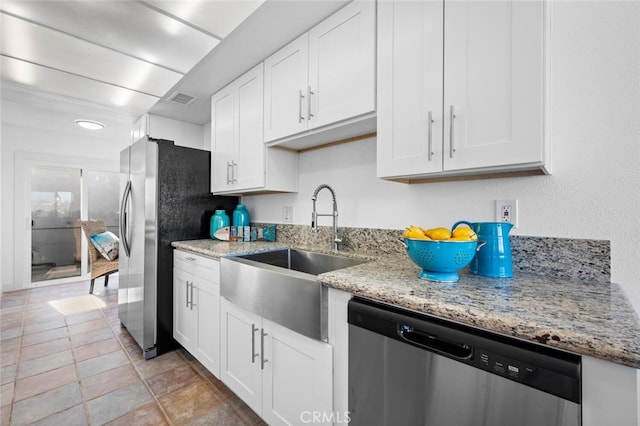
220, 219
241, 216
493, 259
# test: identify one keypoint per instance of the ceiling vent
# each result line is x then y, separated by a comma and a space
181, 98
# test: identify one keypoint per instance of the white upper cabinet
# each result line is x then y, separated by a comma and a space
461, 88
223, 143
342, 65
240, 161
286, 90
324, 78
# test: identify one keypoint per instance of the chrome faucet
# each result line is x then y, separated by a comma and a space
315, 214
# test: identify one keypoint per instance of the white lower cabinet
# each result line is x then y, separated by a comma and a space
196, 307
285, 377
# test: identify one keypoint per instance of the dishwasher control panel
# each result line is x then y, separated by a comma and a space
503, 366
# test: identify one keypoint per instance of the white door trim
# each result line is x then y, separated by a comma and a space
24, 161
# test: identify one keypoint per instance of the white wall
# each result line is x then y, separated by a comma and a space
44, 132
595, 130
207, 136
182, 133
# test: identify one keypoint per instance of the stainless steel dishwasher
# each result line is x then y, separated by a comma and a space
407, 368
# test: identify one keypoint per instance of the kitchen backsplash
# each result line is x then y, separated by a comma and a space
585, 260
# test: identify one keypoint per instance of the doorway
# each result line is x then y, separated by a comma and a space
55, 215
60, 198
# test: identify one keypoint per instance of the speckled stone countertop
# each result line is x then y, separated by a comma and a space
588, 318
217, 249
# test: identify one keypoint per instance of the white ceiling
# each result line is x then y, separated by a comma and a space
134, 56
124, 54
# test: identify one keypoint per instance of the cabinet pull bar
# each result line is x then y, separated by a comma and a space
263, 360
309, 93
451, 139
429, 136
300, 117
254, 355
234, 173
190, 259
191, 302
187, 288
228, 167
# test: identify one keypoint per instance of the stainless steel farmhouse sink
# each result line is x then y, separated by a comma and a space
305, 261
282, 286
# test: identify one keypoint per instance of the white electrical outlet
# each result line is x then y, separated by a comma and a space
507, 211
287, 213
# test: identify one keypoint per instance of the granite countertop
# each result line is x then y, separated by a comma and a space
592, 319
218, 249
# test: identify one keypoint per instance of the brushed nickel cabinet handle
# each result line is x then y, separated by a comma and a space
429, 136
187, 289
191, 302
451, 138
300, 99
263, 360
234, 171
309, 93
254, 355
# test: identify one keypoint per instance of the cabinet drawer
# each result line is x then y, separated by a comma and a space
200, 266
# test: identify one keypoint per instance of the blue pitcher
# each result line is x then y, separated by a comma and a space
494, 258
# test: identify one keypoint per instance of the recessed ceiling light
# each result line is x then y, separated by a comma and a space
90, 124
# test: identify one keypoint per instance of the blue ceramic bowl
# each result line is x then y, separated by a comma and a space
440, 260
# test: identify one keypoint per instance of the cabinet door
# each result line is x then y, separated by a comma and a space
139, 128
493, 83
223, 146
410, 37
297, 377
342, 65
208, 308
285, 90
185, 323
250, 169
240, 354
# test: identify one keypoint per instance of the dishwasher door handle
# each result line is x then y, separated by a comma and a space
433, 343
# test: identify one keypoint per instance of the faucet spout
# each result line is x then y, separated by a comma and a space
334, 214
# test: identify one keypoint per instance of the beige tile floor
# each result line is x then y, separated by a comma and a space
65, 360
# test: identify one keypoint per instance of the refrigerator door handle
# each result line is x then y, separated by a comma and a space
124, 231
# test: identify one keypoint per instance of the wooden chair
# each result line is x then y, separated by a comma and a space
98, 265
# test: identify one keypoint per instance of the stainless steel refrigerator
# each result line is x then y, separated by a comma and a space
165, 197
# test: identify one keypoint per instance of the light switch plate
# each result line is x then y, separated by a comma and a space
287, 213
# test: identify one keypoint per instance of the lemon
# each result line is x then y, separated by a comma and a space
415, 232
464, 233
438, 233
459, 239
